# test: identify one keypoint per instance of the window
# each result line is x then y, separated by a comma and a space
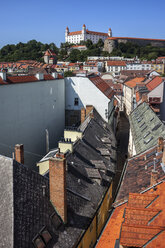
38, 242
41, 239
56, 220
76, 101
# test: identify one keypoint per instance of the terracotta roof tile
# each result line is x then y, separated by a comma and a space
112, 230
116, 63
133, 82
154, 83
141, 222
75, 33
48, 77
102, 85
137, 176
138, 236
96, 33
21, 79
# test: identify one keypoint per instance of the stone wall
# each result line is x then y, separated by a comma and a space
111, 43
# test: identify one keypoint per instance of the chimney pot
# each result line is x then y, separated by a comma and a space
19, 153
160, 145
89, 108
144, 98
154, 177
57, 185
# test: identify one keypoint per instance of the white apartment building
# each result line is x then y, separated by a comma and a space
84, 35
115, 67
138, 66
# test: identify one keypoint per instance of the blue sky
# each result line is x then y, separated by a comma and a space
45, 21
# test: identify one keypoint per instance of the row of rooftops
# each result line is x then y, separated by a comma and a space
37, 222
138, 217
6, 79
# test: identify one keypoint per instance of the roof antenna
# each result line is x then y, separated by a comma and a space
154, 164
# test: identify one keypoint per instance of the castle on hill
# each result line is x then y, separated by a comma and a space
85, 34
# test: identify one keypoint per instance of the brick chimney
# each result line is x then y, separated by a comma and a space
19, 153
160, 145
83, 115
154, 177
57, 186
89, 108
144, 98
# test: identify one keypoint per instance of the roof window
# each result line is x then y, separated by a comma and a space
56, 220
42, 239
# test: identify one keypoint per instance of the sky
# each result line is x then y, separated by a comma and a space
45, 21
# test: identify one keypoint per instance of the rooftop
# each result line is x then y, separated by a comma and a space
137, 173
89, 173
102, 86
145, 127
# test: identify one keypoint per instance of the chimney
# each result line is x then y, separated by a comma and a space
160, 145
57, 186
72, 134
65, 145
19, 153
163, 157
83, 115
154, 177
89, 108
40, 76
144, 98
3, 75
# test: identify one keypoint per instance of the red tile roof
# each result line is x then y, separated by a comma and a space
138, 236
75, 33
96, 33
102, 86
116, 63
48, 77
154, 83
112, 230
21, 79
1, 81
133, 82
137, 166
144, 218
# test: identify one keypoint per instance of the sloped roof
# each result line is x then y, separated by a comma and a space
31, 211
116, 63
152, 84
146, 127
133, 82
102, 86
137, 175
145, 224
132, 215
111, 232
21, 79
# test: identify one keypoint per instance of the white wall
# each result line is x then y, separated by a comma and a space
157, 92
128, 99
26, 110
88, 94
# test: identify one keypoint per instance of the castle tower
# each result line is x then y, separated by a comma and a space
66, 34
110, 32
84, 32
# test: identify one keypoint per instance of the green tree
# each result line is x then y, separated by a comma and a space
68, 74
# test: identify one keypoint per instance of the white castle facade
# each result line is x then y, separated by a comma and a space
84, 35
